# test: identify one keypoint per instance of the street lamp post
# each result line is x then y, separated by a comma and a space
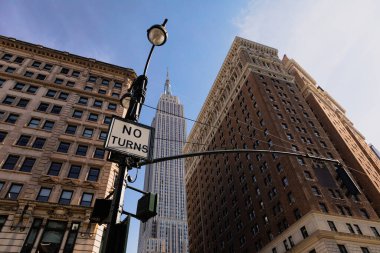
132, 101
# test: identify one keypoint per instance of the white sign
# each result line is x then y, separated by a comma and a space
130, 138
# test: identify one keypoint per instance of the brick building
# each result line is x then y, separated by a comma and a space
55, 108
267, 202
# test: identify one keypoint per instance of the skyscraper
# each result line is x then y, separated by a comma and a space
55, 108
167, 232
260, 202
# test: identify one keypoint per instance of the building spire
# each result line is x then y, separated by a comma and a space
167, 84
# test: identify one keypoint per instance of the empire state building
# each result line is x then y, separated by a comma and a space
167, 232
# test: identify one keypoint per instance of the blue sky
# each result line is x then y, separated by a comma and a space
337, 42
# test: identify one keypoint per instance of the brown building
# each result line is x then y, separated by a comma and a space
267, 202
348, 141
55, 108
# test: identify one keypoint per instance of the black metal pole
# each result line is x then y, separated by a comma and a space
110, 245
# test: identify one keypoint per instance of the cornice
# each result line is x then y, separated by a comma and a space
61, 56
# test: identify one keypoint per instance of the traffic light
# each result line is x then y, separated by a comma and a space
347, 181
100, 213
146, 207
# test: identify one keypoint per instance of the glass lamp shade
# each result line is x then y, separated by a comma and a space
157, 35
125, 100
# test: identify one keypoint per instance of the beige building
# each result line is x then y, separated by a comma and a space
55, 108
271, 203
350, 143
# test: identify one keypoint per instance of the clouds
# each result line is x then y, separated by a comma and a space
335, 41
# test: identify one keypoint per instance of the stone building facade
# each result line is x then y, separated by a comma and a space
259, 202
55, 108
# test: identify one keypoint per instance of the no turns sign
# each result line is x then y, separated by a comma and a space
130, 138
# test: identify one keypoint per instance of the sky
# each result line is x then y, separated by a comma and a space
336, 42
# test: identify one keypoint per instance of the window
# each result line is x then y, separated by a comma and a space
8, 100
87, 132
31, 238
93, 174
4, 134
83, 101
86, 199
36, 64
58, 81
100, 91
65, 71
43, 107
93, 117
117, 85
307, 174
63, 96
32, 89
34, 123
48, 125
54, 169
74, 171
99, 153
56, 109
53, 235
65, 198
23, 140
11, 162
82, 150
3, 219
115, 95
12, 118
105, 82
98, 103
315, 191
364, 249
291, 198
28, 164
107, 120
18, 86
28, 74
44, 194
14, 191
23, 102
323, 207
285, 242
112, 106
48, 67
342, 248
92, 79
350, 228
51, 93
364, 213
7, 57
88, 88
41, 77
77, 114
39, 143
63, 147
285, 181
70, 84
375, 232
75, 73
2, 81
358, 230
297, 214
71, 129
304, 232
10, 70
19, 59
1, 186
103, 135
332, 226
